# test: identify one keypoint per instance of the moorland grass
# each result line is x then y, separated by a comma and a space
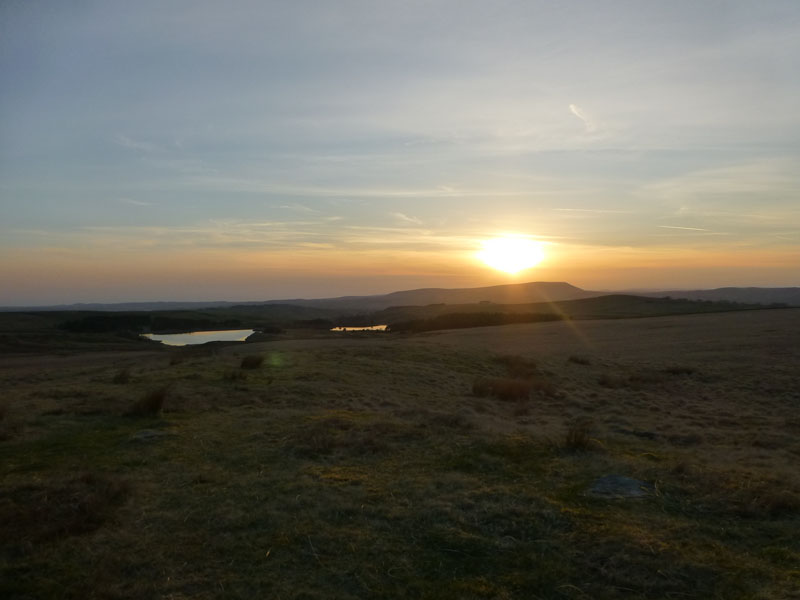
368, 469
503, 388
42, 512
252, 361
122, 376
150, 404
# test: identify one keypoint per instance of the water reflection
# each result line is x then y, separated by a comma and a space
370, 328
200, 337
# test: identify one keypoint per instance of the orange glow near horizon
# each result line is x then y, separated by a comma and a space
58, 275
511, 254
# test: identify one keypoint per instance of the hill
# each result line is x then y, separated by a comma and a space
790, 296
615, 306
518, 293
541, 291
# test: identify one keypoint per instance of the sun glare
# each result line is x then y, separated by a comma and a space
511, 254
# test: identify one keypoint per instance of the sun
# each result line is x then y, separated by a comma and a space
511, 254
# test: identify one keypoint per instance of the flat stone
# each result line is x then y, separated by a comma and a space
619, 486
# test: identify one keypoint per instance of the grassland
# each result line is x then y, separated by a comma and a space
364, 466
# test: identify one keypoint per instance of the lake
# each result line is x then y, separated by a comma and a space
370, 328
200, 337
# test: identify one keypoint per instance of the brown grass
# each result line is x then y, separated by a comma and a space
503, 388
234, 375
7, 427
578, 437
518, 367
367, 470
122, 376
150, 404
680, 370
252, 361
579, 360
348, 434
39, 512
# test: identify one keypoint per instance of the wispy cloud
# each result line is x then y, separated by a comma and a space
134, 202
127, 142
773, 182
299, 208
256, 185
587, 122
683, 228
600, 211
402, 217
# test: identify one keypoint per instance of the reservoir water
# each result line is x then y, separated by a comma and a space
200, 337
370, 328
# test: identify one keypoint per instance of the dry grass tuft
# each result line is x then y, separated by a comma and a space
122, 376
503, 388
578, 437
542, 386
252, 361
518, 367
150, 404
523, 378
579, 360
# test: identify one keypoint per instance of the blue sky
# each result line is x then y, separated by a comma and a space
200, 150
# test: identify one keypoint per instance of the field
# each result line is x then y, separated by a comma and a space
449, 465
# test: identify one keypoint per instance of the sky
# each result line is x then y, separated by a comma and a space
200, 150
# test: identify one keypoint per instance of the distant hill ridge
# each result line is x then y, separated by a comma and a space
747, 295
517, 293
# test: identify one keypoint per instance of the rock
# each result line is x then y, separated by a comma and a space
619, 486
149, 435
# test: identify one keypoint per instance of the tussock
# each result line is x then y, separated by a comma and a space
503, 388
578, 437
518, 366
150, 404
252, 361
579, 360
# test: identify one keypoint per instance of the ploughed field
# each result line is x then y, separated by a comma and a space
457, 464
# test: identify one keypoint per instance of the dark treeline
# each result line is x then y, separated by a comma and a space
108, 323
466, 320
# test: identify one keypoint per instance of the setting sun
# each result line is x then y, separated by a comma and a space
511, 254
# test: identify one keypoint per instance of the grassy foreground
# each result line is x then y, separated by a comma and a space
366, 467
